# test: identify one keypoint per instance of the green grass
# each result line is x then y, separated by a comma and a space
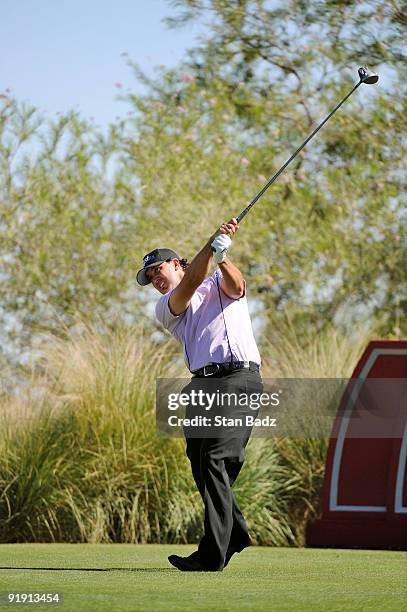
138, 577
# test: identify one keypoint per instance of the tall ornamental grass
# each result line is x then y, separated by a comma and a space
80, 460
327, 355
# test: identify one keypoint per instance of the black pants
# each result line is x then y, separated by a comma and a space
216, 460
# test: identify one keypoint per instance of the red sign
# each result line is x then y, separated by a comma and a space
365, 487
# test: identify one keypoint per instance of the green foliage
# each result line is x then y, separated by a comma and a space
327, 243
333, 238
66, 219
80, 459
324, 249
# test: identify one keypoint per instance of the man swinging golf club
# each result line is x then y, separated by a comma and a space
208, 314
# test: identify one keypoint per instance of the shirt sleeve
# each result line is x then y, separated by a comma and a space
164, 315
218, 275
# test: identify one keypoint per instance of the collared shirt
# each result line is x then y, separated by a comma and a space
213, 326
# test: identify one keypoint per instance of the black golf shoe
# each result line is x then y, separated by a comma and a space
190, 564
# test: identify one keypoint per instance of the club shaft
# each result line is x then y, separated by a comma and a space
289, 160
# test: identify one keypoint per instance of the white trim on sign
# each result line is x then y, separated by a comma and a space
333, 495
401, 471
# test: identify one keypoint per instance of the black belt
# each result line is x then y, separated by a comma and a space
220, 369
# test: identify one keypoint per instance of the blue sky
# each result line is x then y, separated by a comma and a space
66, 54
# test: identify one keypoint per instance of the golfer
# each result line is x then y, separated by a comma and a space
208, 314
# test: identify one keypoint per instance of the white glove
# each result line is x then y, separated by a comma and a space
220, 247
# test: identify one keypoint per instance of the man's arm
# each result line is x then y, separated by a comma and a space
194, 275
197, 271
233, 282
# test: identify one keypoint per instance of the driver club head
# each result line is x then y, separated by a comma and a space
367, 76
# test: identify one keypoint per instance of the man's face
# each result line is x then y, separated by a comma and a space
165, 276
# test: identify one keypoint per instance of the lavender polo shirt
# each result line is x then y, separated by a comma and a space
202, 327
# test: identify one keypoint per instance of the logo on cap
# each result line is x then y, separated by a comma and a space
148, 258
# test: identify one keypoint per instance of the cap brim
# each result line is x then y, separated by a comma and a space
141, 274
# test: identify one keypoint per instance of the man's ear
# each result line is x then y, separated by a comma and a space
177, 264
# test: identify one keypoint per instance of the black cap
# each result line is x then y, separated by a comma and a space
154, 258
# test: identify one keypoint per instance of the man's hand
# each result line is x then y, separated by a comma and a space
230, 228
220, 247
221, 240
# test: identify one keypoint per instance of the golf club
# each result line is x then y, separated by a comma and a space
365, 76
